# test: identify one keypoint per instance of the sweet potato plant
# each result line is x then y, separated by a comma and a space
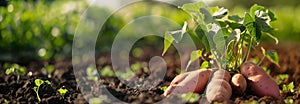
228, 41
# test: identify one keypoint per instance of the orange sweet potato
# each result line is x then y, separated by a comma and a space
219, 89
222, 74
259, 81
238, 83
194, 81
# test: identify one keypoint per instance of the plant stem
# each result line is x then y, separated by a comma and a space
260, 61
18, 78
248, 50
37, 94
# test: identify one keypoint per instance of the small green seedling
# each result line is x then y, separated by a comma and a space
125, 75
107, 72
62, 92
38, 83
16, 70
91, 71
268, 71
280, 78
136, 66
289, 101
97, 100
49, 69
289, 87
190, 97
164, 88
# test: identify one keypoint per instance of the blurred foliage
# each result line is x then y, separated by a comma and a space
45, 29
129, 13
38, 29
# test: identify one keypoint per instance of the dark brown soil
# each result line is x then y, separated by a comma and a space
22, 92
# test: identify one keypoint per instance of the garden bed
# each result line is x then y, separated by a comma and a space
22, 92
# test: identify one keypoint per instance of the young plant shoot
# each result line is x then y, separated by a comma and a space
16, 70
38, 83
62, 92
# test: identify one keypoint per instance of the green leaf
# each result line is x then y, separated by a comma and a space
235, 18
22, 70
168, 40
263, 17
272, 15
219, 41
289, 101
107, 71
220, 13
35, 89
5, 65
195, 55
248, 20
47, 82
235, 25
264, 25
205, 64
207, 16
9, 71
164, 88
93, 78
91, 70
256, 7
272, 56
38, 82
268, 71
213, 10
49, 68
190, 97
289, 87
252, 27
280, 78
193, 7
16, 66
97, 100
205, 42
136, 66
62, 91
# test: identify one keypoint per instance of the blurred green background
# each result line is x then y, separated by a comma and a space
44, 30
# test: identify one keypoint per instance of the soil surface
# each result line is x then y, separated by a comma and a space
12, 91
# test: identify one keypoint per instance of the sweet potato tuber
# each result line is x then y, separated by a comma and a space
259, 81
222, 74
219, 89
238, 83
194, 81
